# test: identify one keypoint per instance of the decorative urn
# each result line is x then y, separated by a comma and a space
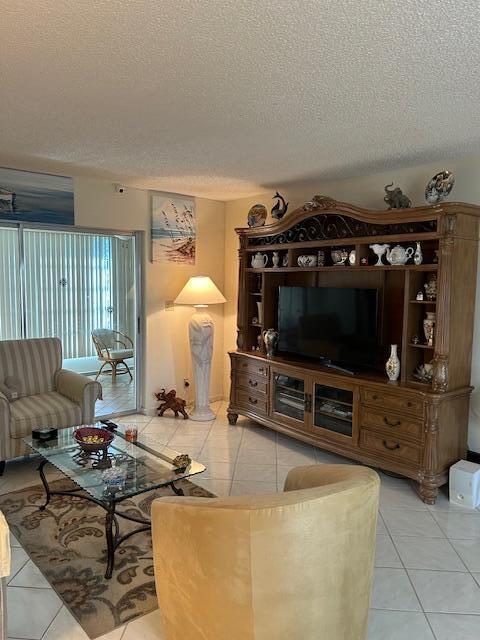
270, 337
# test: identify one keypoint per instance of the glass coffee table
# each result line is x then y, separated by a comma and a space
140, 466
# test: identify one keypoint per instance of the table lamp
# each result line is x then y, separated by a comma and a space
200, 291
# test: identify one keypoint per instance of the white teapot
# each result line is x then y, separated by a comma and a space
259, 260
399, 255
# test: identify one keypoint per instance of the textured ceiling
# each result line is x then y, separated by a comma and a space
223, 98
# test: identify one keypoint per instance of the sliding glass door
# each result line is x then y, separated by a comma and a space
10, 290
78, 286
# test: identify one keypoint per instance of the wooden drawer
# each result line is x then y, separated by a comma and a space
392, 401
246, 365
391, 447
252, 401
250, 382
394, 424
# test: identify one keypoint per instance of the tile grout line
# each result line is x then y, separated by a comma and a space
414, 590
408, 575
459, 556
242, 436
10, 578
55, 617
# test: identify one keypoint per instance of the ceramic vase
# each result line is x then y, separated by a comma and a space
392, 366
260, 317
275, 259
270, 337
429, 327
418, 255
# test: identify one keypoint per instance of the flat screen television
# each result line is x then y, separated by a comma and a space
332, 324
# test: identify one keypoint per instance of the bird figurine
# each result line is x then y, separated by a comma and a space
279, 209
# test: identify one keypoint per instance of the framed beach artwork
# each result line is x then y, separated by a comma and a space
173, 229
35, 197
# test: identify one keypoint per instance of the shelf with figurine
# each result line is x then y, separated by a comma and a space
362, 257
420, 256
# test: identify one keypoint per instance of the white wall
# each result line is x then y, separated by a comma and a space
365, 191
167, 360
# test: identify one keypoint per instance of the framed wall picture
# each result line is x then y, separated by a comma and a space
173, 229
35, 197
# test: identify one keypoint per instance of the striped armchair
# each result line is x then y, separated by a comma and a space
36, 392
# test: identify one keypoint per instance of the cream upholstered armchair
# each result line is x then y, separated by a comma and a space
275, 567
36, 392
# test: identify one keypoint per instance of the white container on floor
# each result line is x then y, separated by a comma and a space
465, 484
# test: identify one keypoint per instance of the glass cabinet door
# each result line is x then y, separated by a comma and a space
289, 396
333, 409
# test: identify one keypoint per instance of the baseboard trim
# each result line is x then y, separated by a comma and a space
473, 456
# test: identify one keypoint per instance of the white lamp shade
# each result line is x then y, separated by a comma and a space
200, 290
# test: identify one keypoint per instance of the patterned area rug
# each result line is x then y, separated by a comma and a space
67, 542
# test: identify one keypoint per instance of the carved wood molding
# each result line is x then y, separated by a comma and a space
336, 226
440, 373
429, 487
449, 224
241, 302
329, 206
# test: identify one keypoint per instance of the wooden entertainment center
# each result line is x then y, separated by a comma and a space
413, 428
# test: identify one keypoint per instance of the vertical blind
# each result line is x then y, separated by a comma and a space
73, 283
10, 293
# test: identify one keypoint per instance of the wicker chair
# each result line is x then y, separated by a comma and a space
113, 348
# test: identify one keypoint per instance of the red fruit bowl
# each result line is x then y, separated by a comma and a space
93, 438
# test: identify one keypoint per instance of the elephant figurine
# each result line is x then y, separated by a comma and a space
395, 198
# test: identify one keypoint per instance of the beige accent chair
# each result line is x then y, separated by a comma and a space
4, 573
292, 565
37, 392
113, 348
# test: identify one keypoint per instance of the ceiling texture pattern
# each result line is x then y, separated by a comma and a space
224, 98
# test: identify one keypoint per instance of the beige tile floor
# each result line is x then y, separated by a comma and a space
118, 395
427, 567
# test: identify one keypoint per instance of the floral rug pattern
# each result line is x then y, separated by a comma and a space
67, 543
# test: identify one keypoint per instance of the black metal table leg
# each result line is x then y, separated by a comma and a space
109, 522
112, 525
45, 484
176, 490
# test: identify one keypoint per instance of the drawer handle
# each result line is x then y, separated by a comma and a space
261, 369
374, 397
409, 404
252, 400
253, 383
392, 424
244, 365
395, 446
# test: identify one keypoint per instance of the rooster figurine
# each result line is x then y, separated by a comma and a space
279, 209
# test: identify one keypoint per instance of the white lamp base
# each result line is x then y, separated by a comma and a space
200, 331
202, 416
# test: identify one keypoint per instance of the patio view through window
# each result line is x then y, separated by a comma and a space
80, 287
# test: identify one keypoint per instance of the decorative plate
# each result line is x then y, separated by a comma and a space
439, 187
257, 215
